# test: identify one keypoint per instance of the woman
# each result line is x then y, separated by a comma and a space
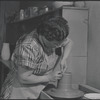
34, 60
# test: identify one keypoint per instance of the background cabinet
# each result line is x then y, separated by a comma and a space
78, 23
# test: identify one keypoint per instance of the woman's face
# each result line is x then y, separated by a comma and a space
51, 44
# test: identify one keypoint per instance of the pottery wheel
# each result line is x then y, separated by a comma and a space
72, 93
64, 88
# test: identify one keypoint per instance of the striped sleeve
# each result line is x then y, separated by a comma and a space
29, 55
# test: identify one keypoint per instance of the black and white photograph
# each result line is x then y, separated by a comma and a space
50, 49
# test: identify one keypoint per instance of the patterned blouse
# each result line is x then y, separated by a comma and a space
28, 54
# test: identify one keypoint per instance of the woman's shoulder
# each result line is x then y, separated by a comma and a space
29, 41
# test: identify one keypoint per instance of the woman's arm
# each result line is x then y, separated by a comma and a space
26, 77
66, 48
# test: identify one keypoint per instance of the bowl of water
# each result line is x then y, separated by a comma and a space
92, 96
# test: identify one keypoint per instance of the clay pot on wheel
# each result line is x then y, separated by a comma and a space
64, 89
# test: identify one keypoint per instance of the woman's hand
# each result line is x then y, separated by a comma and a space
53, 76
63, 66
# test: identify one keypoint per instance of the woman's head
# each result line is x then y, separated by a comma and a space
52, 32
54, 29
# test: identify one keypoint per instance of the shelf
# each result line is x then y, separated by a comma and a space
17, 28
46, 13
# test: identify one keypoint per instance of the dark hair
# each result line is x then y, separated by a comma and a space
55, 28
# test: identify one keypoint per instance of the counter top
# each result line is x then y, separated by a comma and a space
7, 63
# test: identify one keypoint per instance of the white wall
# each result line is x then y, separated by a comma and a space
93, 60
93, 67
